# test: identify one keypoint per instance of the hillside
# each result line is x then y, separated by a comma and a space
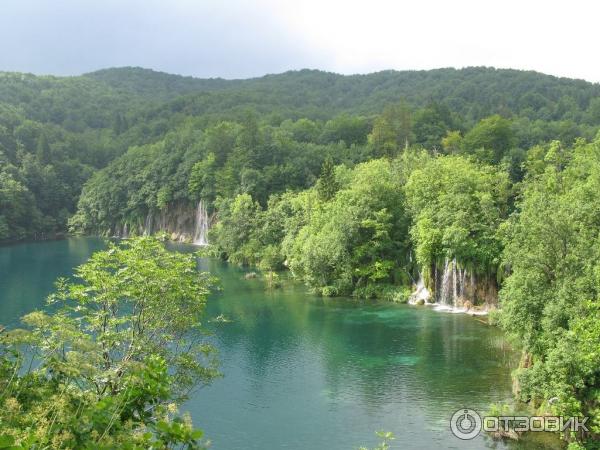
55, 132
473, 92
151, 84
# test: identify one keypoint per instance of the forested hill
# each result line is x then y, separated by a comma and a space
474, 92
156, 85
94, 99
56, 132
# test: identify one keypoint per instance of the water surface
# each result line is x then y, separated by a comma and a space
303, 372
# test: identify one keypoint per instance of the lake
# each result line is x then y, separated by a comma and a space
304, 372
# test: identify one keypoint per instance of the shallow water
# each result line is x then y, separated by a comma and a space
302, 372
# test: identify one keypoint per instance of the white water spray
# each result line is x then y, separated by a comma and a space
421, 292
148, 224
451, 290
201, 226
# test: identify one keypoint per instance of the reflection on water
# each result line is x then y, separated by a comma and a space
302, 372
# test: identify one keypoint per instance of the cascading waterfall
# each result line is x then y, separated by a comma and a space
452, 284
148, 224
450, 288
444, 291
455, 289
201, 226
421, 293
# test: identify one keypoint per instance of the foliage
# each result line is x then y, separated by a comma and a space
456, 206
550, 298
392, 130
386, 437
55, 133
342, 179
327, 185
355, 239
223, 161
490, 139
109, 366
235, 232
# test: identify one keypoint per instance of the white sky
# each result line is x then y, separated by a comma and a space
557, 37
242, 38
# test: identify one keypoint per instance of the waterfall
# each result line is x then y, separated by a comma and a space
421, 292
201, 226
452, 288
444, 296
452, 284
148, 224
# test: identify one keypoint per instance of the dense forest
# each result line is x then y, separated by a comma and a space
479, 186
56, 132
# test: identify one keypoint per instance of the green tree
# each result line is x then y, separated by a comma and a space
356, 243
327, 185
123, 344
457, 206
235, 233
348, 129
431, 124
19, 217
305, 130
549, 300
452, 142
392, 130
43, 150
490, 139
202, 181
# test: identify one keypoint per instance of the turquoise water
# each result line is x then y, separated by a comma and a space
28, 272
302, 372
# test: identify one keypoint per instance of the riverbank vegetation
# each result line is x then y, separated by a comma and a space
550, 299
108, 366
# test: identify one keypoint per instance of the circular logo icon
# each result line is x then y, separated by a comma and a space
465, 424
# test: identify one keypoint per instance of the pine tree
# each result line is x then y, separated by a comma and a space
327, 185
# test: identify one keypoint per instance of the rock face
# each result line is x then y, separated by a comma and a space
181, 222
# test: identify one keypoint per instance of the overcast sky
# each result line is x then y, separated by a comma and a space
245, 38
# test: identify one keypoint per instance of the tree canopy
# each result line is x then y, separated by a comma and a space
55, 133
